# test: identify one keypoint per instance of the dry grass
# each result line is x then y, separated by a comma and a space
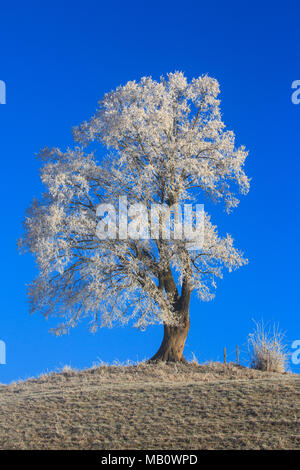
148, 406
267, 349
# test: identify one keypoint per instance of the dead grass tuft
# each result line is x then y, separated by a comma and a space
267, 349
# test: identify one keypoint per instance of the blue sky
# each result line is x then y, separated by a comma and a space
59, 58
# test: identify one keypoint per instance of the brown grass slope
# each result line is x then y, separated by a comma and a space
166, 406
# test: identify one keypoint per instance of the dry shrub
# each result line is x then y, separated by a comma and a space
267, 349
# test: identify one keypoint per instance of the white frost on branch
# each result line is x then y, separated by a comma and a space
166, 144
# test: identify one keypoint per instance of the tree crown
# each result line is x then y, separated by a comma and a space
166, 144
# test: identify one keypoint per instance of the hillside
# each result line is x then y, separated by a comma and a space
165, 406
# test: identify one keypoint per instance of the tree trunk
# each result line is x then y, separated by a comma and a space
171, 348
172, 345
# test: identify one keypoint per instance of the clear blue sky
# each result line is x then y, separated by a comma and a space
58, 58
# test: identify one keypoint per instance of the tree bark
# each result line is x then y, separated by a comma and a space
171, 348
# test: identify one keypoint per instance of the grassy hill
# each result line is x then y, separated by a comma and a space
166, 406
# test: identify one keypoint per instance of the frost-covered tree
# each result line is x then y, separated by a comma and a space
165, 144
